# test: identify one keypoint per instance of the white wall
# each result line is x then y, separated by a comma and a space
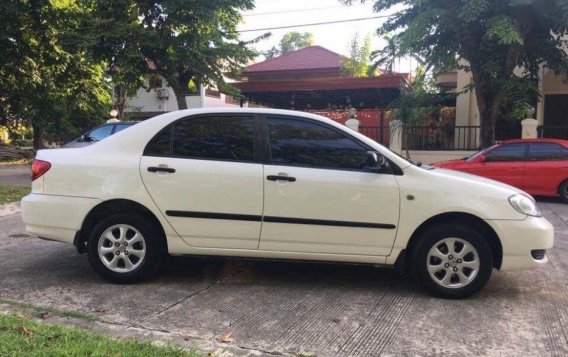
430, 157
148, 101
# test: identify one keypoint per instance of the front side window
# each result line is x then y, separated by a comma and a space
507, 152
215, 138
309, 144
547, 152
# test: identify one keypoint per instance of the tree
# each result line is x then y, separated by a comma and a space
421, 101
181, 40
291, 41
491, 39
357, 64
45, 82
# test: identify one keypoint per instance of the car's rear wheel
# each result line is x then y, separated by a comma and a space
563, 191
125, 248
452, 261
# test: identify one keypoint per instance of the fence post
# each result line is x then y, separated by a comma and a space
529, 128
395, 143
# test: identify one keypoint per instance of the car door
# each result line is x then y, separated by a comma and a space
318, 195
546, 168
203, 175
505, 163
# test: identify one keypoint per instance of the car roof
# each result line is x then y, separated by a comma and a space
537, 140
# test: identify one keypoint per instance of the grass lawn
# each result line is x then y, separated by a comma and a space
11, 193
20, 336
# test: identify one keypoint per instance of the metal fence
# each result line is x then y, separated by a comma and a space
553, 131
380, 134
441, 138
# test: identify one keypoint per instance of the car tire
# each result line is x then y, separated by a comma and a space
451, 260
563, 191
125, 248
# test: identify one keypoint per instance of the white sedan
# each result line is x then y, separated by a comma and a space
279, 185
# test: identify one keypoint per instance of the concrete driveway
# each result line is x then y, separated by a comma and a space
290, 308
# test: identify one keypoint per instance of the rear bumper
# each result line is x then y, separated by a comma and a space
55, 217
519, 238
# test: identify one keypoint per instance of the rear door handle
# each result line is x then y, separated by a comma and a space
161, 169
280, 178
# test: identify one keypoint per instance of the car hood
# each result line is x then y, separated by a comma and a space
444, 190
449, 163
476, 180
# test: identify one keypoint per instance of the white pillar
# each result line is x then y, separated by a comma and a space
352, 124
396, 136
529, 128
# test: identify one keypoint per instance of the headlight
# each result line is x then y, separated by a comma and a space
525, 205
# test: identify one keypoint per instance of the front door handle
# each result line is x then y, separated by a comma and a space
161, 169
280, 178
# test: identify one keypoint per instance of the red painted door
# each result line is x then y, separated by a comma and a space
546, 168
505, 163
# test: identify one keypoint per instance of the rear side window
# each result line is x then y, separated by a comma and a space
507, 152
547, 152
100, 133
120, 127
214, 138
307, 144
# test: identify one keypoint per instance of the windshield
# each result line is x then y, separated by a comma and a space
413, 162
476, 155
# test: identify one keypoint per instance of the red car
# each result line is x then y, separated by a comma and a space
537, 166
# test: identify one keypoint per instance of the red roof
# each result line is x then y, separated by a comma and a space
313, 57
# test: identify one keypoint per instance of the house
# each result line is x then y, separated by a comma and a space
551, 109
158, 98
311, 79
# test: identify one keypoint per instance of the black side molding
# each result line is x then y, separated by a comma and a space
208, 215
271, 219
325, 222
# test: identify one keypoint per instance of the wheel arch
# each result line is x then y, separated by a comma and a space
465, 218
110, 207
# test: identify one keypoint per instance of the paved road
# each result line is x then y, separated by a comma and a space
329, 310
15, 175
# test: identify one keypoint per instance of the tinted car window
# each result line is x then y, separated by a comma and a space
547, 152
303, 143
220, 138
507, 152
161, 144
120, 127
100, 132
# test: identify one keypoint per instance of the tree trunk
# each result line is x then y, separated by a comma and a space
180, 98
486, 106
37, 138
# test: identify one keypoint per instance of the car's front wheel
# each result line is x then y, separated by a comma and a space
125, 248
452, 260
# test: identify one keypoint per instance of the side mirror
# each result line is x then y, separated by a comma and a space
375, 161
481, 158
83, 138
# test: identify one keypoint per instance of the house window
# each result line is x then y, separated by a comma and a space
212, 93
155, 82
229, 99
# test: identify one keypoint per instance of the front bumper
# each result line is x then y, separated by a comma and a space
519, 238
55, 217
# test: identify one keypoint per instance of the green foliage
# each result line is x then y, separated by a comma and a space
291, 41
45, 81
180, 40
491, 37
11, 193
25, 337
357, 64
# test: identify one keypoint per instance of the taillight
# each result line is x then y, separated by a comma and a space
39, 167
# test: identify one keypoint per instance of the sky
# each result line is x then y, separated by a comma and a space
335, 37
